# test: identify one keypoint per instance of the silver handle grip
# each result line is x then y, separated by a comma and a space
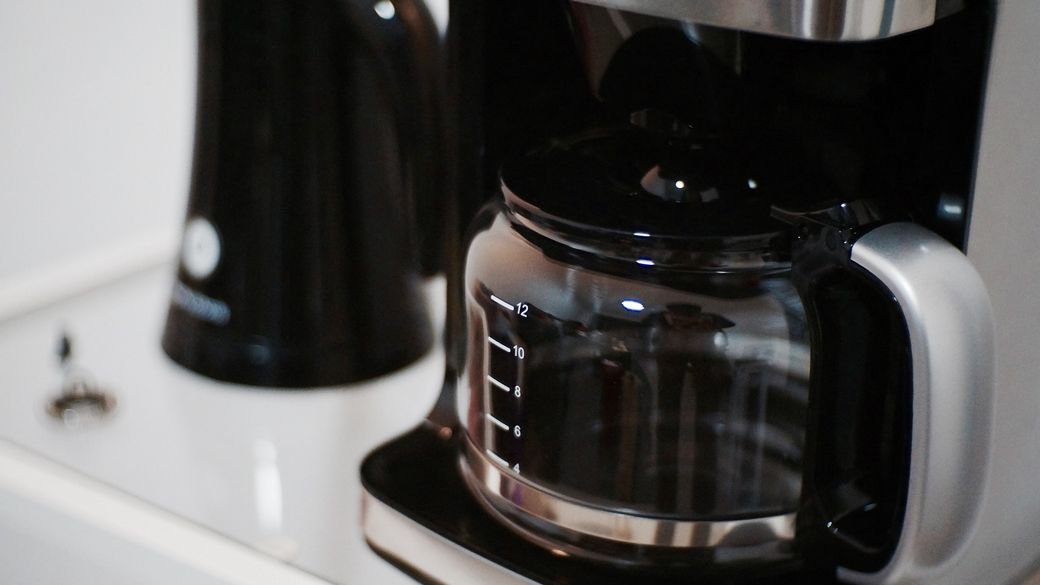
950, 323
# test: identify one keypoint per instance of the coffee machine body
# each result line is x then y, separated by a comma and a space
908, 104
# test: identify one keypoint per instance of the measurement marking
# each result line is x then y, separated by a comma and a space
502, 303
497, 422
497, 459
500, 345
499, 384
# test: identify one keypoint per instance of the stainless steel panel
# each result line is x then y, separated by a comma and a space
1003, 244
823, 20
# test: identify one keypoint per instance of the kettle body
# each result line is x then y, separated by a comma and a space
299, 264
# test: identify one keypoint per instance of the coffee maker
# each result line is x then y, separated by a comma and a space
875, 132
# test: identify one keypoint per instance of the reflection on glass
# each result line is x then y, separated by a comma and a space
632, 305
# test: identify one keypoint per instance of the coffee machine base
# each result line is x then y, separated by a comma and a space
419, 516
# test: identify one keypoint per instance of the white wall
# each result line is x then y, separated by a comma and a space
96, 123
97, 105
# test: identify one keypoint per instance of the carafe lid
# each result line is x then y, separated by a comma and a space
630, 186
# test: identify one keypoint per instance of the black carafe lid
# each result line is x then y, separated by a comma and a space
628, 188
298, 267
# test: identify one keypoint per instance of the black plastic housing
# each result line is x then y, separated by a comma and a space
311, 146
857, 453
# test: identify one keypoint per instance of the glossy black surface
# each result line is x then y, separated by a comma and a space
410, 474
638, 185
677, 78
310, 147
504, 96
894, 120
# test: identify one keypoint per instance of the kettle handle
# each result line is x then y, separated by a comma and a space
949, 323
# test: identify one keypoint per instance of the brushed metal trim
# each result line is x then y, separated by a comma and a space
819, 20
426, 553
505, 489
950, 322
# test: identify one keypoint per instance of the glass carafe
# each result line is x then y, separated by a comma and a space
666, 368
636, 380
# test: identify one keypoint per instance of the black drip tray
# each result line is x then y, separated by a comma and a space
417, 476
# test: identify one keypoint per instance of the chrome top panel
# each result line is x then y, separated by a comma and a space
817, 20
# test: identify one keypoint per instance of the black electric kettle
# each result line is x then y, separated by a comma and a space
316, 121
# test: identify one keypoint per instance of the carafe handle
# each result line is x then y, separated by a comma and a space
949, 325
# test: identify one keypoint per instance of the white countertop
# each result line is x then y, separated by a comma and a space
274, 470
